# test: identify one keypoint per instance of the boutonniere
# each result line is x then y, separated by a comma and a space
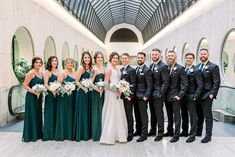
190, 70
141, 70
124, 72
206, 67
156, 69
175, 68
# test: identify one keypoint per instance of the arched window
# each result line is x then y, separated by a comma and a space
124, 35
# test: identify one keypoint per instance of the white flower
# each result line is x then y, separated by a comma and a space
141, 70
206, 67
87, 83
54, 86
124, 72
156, 68
40, 88
190, 70
175, 68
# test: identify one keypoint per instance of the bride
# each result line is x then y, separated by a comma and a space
114, 124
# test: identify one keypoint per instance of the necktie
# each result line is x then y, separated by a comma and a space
186, 70
153, 66
170, 70
201, 67
137, 70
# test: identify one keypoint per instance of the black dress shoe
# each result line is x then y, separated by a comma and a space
158, 138
174, 139
136, 134
206, 139
191, 139
129, 138
141, 139
168, 134
183, 134
152, 133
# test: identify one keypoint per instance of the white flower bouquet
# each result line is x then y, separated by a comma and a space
67, 88
55, 87
100, 85
124, 87
40, 88
87, 84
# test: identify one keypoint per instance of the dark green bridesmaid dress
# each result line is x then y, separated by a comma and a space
50, 113
97, 102
33, 114
82, 113
64, 115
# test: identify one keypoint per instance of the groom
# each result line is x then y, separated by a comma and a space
143, 92
128, 74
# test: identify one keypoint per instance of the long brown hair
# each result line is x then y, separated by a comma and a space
82, 62
34, 60
49, 65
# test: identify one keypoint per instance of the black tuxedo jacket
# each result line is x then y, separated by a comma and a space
129, 75
195, 84
178, 83
160, 76
143, 82
211, 79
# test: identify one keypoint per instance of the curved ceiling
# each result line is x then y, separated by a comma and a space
149, 16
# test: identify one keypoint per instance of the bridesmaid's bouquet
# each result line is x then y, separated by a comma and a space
55, 86
100, 85
87, 84
67, 88
40, 88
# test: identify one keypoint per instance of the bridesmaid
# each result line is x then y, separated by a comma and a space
50, 100
97, 97
82, 107
33, 103
65, 105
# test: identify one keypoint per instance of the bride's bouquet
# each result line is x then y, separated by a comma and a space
124, 87
87, 84
67, 88
40, 88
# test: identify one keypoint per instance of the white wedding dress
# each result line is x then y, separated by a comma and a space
114, 124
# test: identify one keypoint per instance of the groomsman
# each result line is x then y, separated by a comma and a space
211, 81
128, 74
177, 88
160, 76
143, 93
189, 102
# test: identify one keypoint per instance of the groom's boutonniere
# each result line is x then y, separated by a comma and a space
206, 67
175, 68
191, 70
156, 69
141, 72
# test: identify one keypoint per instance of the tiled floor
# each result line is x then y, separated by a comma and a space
222, 145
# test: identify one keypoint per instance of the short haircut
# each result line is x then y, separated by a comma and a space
156, 49
112, 55
141, 53
171, 51
204, 49
126, 54
189, 54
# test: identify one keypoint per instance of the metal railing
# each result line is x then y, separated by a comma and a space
16, 100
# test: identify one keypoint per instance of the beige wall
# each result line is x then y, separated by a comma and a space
213, 25
41, 24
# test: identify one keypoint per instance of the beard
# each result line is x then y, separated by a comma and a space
170, 62
140, 62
